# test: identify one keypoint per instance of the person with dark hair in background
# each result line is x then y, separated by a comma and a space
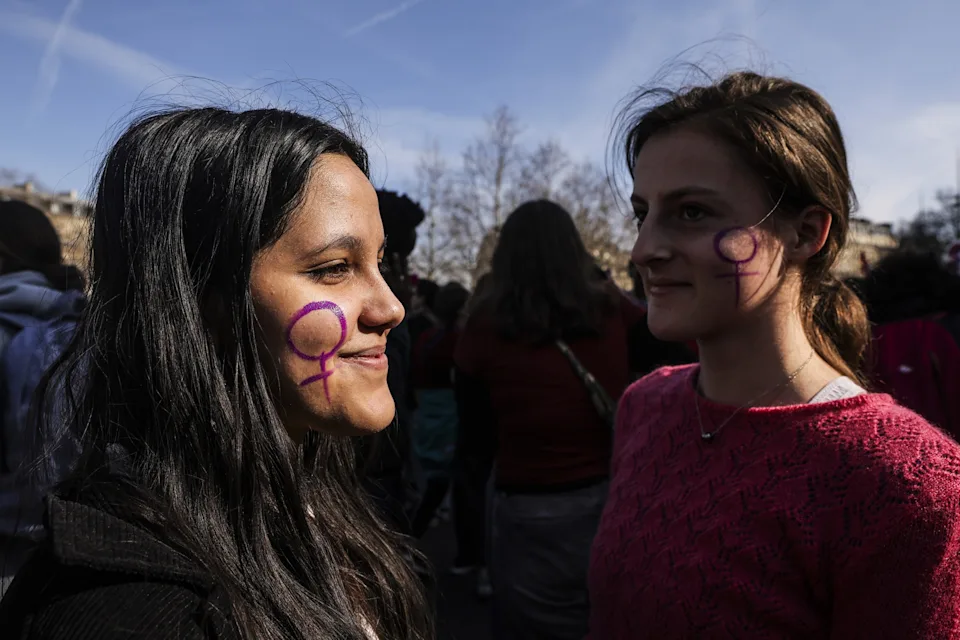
435, 424
905, 285
40, 301
763, 493
914, 303
526, 406
387, 456
232, 347
421, 316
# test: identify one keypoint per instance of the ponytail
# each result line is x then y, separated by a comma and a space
835, 321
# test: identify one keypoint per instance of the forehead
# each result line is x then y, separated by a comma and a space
338, 200
687, 157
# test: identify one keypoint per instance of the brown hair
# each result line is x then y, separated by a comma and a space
788, 134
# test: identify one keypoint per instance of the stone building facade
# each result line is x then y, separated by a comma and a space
867, 243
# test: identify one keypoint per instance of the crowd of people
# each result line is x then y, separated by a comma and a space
243, 419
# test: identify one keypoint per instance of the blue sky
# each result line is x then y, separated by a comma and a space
430, 70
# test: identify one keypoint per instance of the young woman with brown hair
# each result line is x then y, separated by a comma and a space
764, 492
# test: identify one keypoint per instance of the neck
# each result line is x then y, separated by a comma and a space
758, 359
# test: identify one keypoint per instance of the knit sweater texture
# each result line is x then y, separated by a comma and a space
831, 520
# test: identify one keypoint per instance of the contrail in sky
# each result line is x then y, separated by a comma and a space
382, 17
49, 72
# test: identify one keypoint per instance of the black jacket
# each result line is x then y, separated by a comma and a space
99, 577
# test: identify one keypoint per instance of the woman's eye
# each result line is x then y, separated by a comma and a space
692, 213
331, 272
383, 266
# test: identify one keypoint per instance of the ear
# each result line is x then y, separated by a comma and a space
808, 234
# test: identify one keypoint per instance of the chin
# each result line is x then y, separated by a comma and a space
371, 414
670, 328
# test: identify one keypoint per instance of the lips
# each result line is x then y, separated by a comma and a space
374, 357
661, 286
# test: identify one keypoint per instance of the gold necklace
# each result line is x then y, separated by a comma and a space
710, 435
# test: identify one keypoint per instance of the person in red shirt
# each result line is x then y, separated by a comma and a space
523, 405
763, 493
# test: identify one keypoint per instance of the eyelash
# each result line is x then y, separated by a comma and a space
341, 269
332, 272
640, 216
692, 207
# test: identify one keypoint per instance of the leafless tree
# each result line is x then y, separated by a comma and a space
607, 233
542, 172
498, 174
432, 257
933, 229
484, 191
10, 177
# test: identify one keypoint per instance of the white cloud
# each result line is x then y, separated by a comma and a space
382, 17
137, 69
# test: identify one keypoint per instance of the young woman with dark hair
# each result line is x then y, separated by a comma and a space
232, 346
763, 493
524, 405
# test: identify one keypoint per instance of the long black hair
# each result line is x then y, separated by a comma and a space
544, 284
165, 364
28, 242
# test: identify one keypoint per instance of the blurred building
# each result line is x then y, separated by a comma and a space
69, 214
63, 203
867, 243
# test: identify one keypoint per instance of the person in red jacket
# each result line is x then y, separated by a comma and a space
913, 302
763, 493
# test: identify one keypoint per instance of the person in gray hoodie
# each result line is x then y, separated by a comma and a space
40, 300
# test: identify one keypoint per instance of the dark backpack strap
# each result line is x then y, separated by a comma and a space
602, 402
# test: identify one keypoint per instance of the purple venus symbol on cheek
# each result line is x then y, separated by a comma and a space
719, 249
324, 356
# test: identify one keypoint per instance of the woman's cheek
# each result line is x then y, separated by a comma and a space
314, 335
737, 249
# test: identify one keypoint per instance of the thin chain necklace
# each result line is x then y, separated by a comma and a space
710, 435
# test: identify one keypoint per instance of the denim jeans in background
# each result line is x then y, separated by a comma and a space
539, 557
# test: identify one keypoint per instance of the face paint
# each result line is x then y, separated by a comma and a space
732, 252
325, 373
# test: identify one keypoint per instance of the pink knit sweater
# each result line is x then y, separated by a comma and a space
834, 520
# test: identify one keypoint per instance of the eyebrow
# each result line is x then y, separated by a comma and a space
347, 243
676, 194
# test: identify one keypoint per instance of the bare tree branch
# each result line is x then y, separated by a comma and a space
497, 175
484, 191
432, 257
